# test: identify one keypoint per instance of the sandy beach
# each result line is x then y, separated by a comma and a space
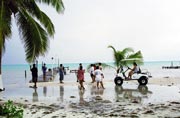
160, 98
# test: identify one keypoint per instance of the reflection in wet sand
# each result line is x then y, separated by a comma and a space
44, 91
133, 95
81, 97
35, 95
61, 91
95, 91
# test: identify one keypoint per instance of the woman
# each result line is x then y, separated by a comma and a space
80, 75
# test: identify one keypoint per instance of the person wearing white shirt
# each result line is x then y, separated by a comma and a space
98, 77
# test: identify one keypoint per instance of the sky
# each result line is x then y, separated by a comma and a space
88, 27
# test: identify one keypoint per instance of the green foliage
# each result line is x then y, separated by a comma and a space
34, 26
126, 56
104, 65
9, 110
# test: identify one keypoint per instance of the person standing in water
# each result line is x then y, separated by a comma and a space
91, 71
34, 72
98, 77
61, 73
80, 75
44, 68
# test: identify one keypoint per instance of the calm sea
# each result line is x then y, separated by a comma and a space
13, 74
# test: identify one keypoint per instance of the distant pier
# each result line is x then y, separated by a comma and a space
170, 67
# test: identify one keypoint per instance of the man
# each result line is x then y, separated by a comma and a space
61, 73
34, 72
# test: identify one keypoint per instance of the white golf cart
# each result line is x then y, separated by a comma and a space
141, 77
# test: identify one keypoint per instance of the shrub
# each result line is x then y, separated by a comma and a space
9, 110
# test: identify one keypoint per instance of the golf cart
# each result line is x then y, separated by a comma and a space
141, 77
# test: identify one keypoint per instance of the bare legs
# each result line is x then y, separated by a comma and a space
81, 84
93, 78
130, 74
101, 84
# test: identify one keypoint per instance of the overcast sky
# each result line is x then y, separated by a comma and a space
87, 27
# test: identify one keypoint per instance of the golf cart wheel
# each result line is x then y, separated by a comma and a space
143, 80
118, 81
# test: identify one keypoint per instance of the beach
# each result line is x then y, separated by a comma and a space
159, 98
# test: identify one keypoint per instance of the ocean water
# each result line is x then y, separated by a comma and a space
13, 74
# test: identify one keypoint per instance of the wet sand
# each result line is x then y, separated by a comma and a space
160, 98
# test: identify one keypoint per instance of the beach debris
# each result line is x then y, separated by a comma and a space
25, 100
113, 115
135, 101
106, 101
47, 112
55, 117
54, 105
148, 112
98, 98
175, 102
72, 97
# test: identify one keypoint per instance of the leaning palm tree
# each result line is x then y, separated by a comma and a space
34, 26
126, 56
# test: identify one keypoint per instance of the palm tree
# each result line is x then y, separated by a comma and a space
34, 26
126, 57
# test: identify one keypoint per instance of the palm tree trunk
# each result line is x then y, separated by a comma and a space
1, 83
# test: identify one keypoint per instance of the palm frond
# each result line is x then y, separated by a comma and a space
5, 23
104, 65
136, 55
46, 21
58, 4
126, 57
127, 51
33, 35
110, 46
116, 55
34, 10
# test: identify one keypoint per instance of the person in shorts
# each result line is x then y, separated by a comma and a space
98, 77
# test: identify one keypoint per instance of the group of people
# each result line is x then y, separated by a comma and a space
49, 73
95, 73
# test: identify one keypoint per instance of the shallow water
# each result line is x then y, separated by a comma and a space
70, 93
16, 86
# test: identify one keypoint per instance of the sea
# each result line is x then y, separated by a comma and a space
17, 73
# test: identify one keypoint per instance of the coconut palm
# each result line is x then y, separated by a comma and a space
34, 26
126, 56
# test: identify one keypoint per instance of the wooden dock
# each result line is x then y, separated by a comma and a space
170, 67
